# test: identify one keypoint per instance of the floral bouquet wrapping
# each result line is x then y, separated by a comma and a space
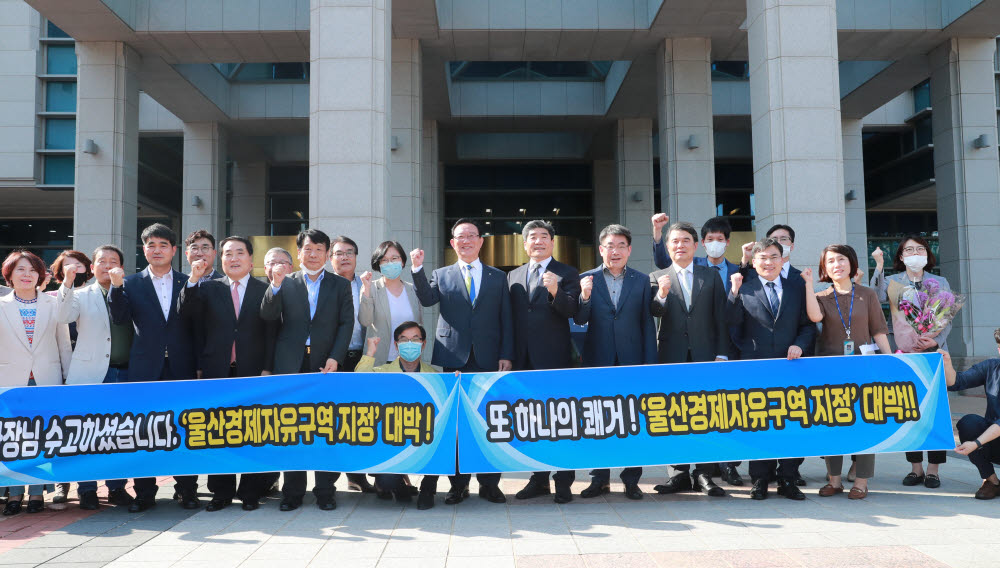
921, 313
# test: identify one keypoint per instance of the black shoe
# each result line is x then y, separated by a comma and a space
704, 483
534, 489
273, 491
759, 490
217, 504
456, 495
676, 484
89, 502
932, 481
799, 481
402, 496
563, 495
290, 504
35, 506
633, 492
382, 493
913, 479
12, 508
596, 488
492, 494
190, 502
140, 504
120, 497
326, 502
789, 490
731, 476
425, 500
363, 485
250, 504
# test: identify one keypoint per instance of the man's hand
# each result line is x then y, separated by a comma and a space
859, 276
794, 352
199, 374
879, 258
717, 359
366, 283
372, 346
736, 280
586, 287
330, 367
117, 275
551, 283
278, 275
69, 274
505, 365
966, 448
417, 258
747, 252
199, 268
660, 220
265, 373
807, 275
664, 283
946, 359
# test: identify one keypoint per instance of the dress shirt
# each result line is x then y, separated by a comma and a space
545, 266
164, 287
242, 290
358, 333
614, 284
477, 272
312, 292
777, 285
784, 269
686, 276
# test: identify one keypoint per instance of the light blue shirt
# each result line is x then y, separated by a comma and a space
723, 268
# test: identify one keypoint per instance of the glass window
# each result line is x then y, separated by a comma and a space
53, 30
730, 70
60, 96
60, 60
922, 96
529, 70
289, 207
60, 133
59, 170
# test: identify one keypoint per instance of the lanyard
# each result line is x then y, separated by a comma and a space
850, 314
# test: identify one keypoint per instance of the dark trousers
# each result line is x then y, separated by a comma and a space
563, 478
773, 470
350, 363
145, 487
705, 468
628, 475
933, 457
970, 427
252, 486
294, 486
389, 481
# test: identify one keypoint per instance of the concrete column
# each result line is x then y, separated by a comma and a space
795, 117
433, 239
854, 180
249, 207
19, 135
405, 217
204, 180
606, 203
634, 169
968, 187
684, 99
348, 127
104, 202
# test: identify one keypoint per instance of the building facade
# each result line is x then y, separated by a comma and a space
852, 121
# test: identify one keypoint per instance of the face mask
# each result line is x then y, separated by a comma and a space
391, 270
80, 280
915, 262
410, 351
715, 249
314, 272
785, 251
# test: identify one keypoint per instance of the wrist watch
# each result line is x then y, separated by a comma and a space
978, 443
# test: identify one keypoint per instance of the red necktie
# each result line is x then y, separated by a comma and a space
236, 309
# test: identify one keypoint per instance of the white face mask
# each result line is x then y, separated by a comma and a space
715, 249
785, 251
915, 262
314, 272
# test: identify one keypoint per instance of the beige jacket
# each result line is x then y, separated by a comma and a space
373, 313
49, 354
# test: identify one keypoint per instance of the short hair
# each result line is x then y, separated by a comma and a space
13, 258
538, 224
716, 225
159, 231
197, 236
382, 250
996, 335
112, 248
897, 261
766, 244
346, 241
237, 239
615, 229
846, 250
465, 221
57, 265
686, 227
791, 231
315, 235
279, 250
409, 325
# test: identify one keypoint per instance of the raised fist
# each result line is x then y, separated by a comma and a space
117, 275
807, 275
586, 287
748, 252
69, 274
737, 280
372, 346
199, 268
278, 274
551, 283
879, 257
660, 220
417, 258
366, 283
664, 283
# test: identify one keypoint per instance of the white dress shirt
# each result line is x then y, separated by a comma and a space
358, 333
477, 273
164, 287
784, 270
777, 286
242, 290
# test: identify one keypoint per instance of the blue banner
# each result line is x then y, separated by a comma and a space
702, 412
385, 422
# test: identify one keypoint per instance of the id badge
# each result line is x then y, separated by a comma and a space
849, 347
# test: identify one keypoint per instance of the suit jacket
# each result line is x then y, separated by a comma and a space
541, 320
329, 332
135, 302
662, 260
765, 335
700, 330
86, 307
4, 291
622, 334
485, 328
373, 314
48, 355
211, 304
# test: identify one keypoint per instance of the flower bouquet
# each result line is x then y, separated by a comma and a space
921, 313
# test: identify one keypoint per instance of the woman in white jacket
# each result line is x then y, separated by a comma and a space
34, 347
388, 301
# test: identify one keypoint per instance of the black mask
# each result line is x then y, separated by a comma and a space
80, 280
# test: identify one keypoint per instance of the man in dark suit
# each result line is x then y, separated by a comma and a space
317, 317
690, 303
475, 334
238, 344
163, 347
544, 294
771, 315
614, 304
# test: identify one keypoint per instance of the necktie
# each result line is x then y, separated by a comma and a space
236, 308
718, 270
470, 284
686, 286
772, 296
533, 279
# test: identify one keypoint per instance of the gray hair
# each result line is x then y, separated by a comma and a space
277, 250
538, 224
615, 229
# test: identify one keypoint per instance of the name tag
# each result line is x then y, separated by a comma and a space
849, 347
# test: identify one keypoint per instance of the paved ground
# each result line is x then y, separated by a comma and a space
895, 526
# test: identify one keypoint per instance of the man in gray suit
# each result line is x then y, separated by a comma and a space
475, 334
317, 317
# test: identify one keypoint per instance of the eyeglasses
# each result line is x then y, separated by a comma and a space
403, 340
772, 258
277, 262
344, 254
465, 237
915, 250
202, 248
615, 248
783, 240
